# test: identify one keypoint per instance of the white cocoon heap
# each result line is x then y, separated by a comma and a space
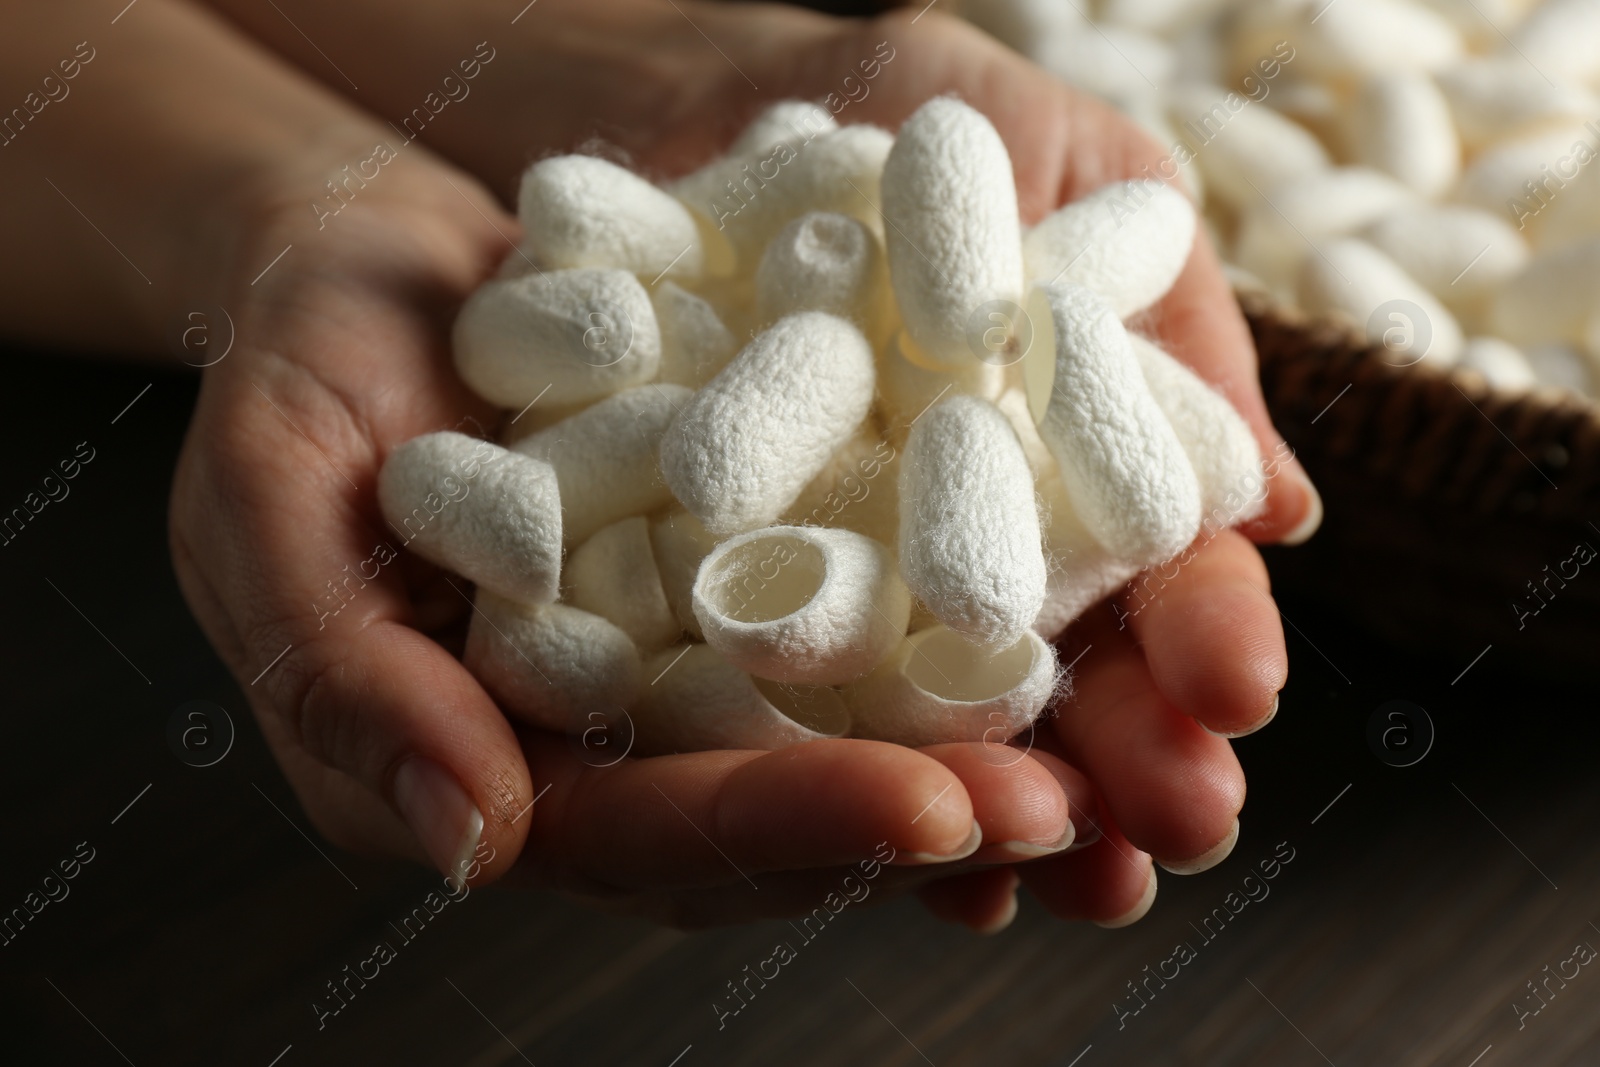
1353, 278
489, 514
579, 211
605, 457
614, 575
1460, 254
1219, 443
551, 664
1561, 39
743, 447
1497, 178
954, 241
1122, 464
824, 261
1109, 61
680, 544
938, 688
563, 337
969, 527
694, 342
698, 701
1128, 241
1554, 299
1401, 124
802, 604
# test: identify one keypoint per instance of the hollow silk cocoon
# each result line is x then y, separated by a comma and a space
605, 457
1128, 241
1219, 443
837, 171
1243, 150
551, 664
1353, 278
579, 211
742, 448
1122, 464
824, 261
802, 604
1401, 125
857, 490
1554, 298
1496, 98
699, 701
937, 688
906, 389
953, 238
1460, 254
614, 575
969, 527
680, 544
694, 342
491, 515
1501, 363
560, 337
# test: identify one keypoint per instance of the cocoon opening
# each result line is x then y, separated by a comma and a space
937, 688
955, 242
743, 447
1120, 460
1128, 241
551, 664
489, 514
823, 261
579, 211
604, 457
969, 527
698, 701
560, 337
614, 575
802, 603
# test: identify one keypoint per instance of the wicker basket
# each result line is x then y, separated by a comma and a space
1453, 509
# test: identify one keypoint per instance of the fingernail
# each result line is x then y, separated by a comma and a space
1001, 921
1272, 713
1313, 518
1207, 859
1137, 912
1027, 850
440, 813
968, 847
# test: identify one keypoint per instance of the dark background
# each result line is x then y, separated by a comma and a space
1415, 910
